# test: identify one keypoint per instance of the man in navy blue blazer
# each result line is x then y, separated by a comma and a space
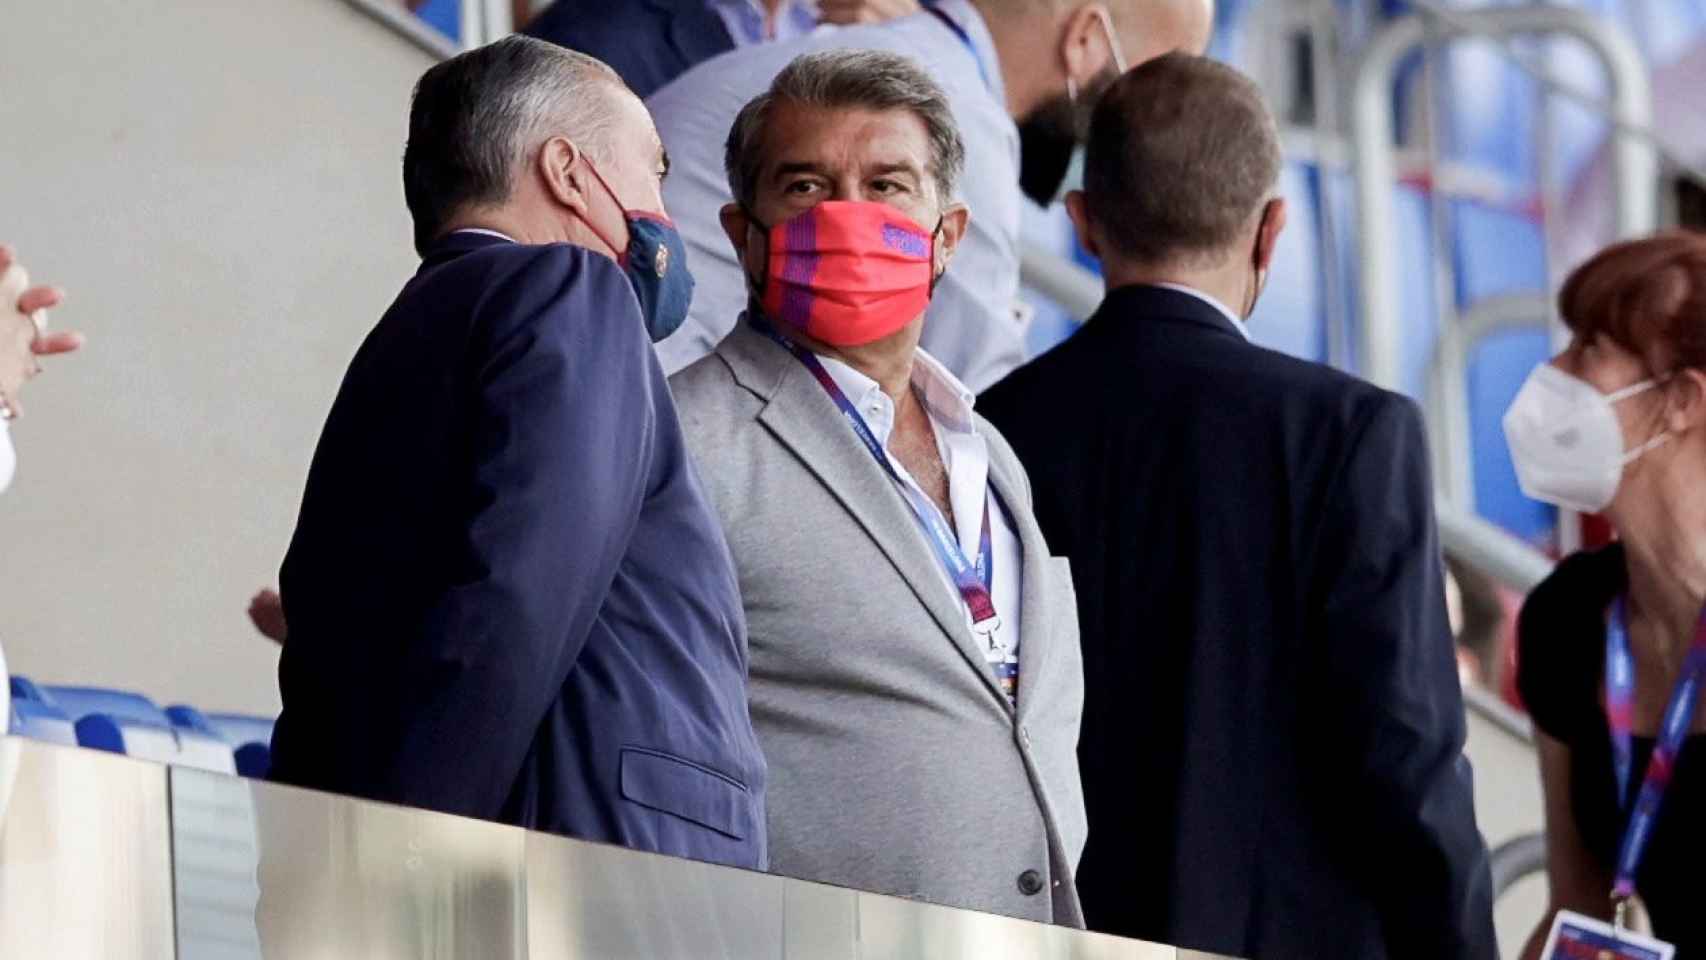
507, 594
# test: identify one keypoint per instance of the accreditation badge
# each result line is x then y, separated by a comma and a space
1575, 937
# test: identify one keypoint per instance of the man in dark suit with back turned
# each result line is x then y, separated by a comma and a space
1273, 728
508, 596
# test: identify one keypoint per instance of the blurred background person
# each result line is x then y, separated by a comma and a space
508, 596
24, 340
1000, 62
1613, 644
651, 42
915, 677
1273, 729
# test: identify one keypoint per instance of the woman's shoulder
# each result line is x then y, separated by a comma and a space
1561, 640
1583, 584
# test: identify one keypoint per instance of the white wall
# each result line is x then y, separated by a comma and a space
217, 184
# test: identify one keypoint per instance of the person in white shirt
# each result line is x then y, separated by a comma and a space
915, 679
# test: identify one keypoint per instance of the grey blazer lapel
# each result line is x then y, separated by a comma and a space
806, 421
1034, 591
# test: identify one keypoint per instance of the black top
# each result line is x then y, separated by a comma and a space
1273, 730
1561, 652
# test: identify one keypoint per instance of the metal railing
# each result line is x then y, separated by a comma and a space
1634, 161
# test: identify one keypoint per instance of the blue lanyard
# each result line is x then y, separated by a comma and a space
1620, 716
960, 31
972, 580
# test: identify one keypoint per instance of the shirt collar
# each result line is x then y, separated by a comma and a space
965, 15
482, 231
945, 398
745, 19
1236, 321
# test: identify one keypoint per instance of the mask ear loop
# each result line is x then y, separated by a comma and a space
621, 251
755, 288
1635, 389
1255, 261
935, 277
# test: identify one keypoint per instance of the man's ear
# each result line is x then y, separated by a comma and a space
563, 173
1080, 214
955, 219
751, 243
1268, 234
737, 225
1083, 51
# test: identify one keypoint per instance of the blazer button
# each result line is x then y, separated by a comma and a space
1030, 883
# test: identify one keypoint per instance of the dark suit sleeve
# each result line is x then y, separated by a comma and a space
563, 386
1392, 695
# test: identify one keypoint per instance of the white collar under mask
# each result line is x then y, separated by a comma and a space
1565, 440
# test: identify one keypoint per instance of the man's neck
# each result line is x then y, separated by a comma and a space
515, 223
888, 361
1221, 284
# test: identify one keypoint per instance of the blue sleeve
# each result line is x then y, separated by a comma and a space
1391, 668
564, 384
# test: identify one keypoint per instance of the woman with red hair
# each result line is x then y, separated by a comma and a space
1613, 644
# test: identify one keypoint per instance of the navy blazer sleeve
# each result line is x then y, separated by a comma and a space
563, 383
1391, 668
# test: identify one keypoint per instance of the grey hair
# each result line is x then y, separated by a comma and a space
479, 117
868, 79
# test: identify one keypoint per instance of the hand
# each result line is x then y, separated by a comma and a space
864, 11
22, 340
266, 612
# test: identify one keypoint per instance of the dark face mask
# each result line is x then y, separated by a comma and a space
1051, 134
655, 261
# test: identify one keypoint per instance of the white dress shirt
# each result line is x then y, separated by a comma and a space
1237, 321
482, 231
973, 327
747, 20
965, 455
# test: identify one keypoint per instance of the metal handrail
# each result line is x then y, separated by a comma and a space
1634, 163
410, 27
1516, 858
1447, 400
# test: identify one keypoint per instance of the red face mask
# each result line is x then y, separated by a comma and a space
847, 273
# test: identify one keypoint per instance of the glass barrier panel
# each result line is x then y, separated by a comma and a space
318, 875
590, 900
85, 866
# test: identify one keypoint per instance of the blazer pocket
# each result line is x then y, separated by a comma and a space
682, 788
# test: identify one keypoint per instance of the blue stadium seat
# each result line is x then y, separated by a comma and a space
24, 689
445, 16
42, 721
129, 723
1411, 240
78, 702
1291, 316
133, 738
1500, 251
250, 738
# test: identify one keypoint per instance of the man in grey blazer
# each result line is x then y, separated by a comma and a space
915, 673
